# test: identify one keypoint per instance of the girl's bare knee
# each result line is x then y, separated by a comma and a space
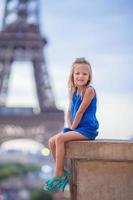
59, 138
51, 142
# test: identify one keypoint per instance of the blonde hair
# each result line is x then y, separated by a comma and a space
71, 86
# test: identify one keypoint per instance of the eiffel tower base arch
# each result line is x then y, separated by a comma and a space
39, 127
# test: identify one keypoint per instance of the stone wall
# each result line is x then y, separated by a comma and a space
102, 169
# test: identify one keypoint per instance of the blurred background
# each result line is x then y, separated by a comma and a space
101, 31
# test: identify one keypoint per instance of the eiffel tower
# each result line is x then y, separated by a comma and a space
20, 39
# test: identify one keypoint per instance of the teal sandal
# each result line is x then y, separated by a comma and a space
68, 176
65, 175
57, 184
54, 185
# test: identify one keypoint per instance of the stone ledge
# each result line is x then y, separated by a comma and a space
109, 150
101, 169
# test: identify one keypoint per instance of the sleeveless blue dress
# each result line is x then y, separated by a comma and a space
88, 124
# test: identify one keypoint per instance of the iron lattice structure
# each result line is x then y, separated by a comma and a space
20, 39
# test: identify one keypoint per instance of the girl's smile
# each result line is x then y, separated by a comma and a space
81, 74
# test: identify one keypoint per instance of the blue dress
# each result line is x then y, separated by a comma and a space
88, 124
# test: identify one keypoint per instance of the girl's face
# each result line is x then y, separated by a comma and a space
80, 74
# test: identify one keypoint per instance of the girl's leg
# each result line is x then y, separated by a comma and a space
52, 145
60, 150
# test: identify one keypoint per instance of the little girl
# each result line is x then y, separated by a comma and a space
81, 120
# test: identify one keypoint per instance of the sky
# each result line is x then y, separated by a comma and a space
99, 30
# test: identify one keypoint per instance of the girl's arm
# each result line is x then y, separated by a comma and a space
88, 96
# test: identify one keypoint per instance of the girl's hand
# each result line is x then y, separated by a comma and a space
70, 126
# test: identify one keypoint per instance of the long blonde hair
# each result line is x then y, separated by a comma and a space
71, 86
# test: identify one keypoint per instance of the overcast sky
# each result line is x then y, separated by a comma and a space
102, 32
